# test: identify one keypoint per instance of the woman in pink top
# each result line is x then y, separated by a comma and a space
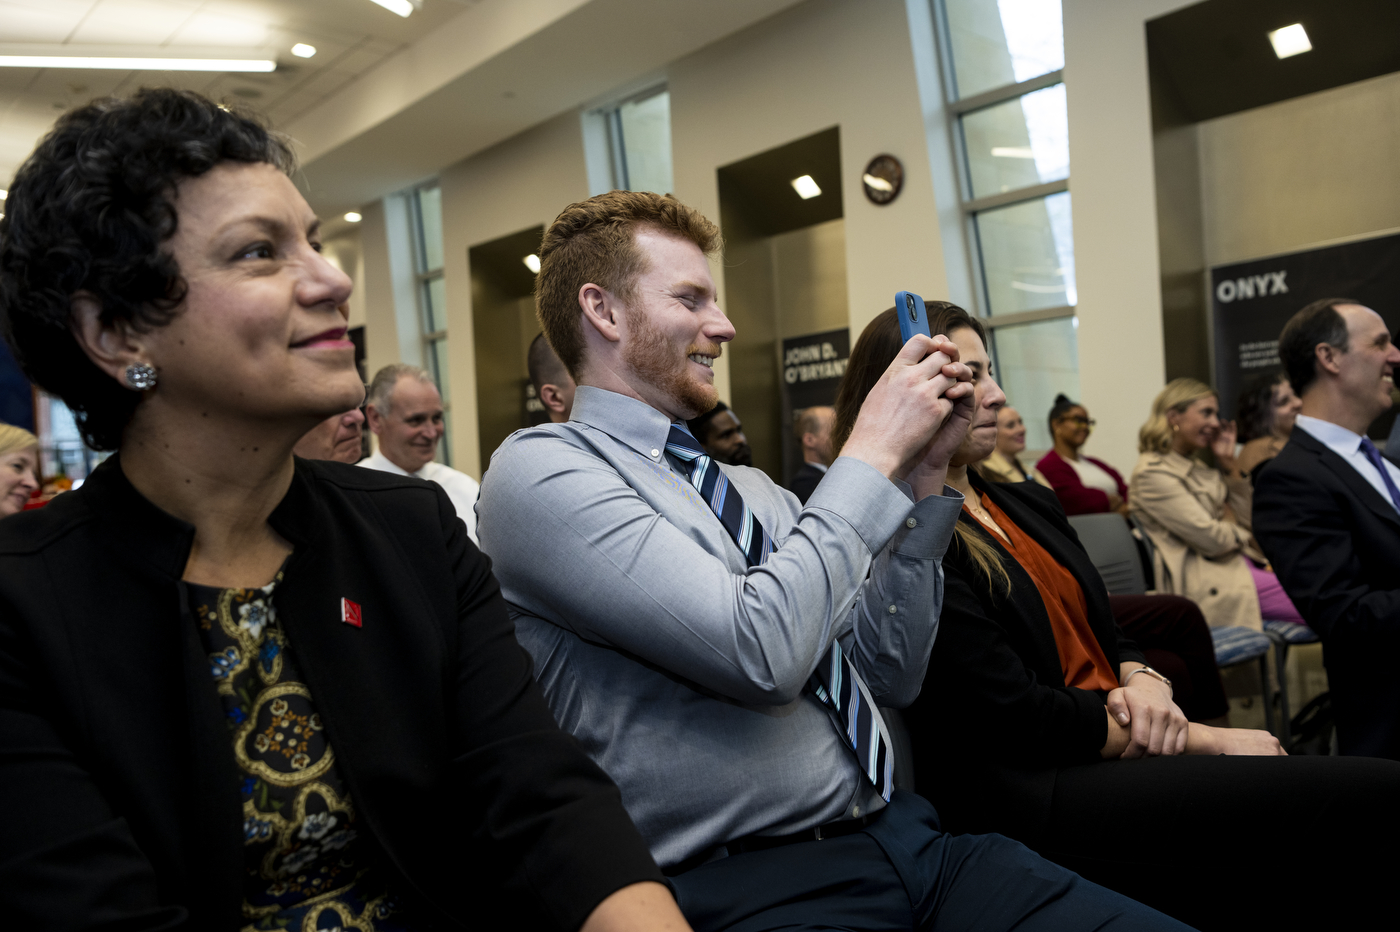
1083, 484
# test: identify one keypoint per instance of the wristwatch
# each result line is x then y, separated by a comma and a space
1147, 669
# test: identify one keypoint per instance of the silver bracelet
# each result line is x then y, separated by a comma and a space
1146, 669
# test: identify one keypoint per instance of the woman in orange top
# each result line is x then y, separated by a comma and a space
1039, 719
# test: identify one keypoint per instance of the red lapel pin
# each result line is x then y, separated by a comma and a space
350, 613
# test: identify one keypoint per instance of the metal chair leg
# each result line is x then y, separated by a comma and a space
1285, 713
1268, 693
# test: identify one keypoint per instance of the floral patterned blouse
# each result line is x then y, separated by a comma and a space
302, 869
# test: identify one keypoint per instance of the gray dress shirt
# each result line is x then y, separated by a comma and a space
679, 668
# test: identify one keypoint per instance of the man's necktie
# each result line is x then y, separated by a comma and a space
835, 681
1374, 455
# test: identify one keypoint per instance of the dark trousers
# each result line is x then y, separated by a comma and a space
1174, 635
1235, 842
902, 873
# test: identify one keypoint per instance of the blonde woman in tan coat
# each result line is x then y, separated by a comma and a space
1197, 515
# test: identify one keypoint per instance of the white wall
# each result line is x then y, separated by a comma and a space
520, 183
1302, 171
1115, 217
823, 63
377, 291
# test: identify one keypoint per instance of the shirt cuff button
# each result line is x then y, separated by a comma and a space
655, 452
910, 522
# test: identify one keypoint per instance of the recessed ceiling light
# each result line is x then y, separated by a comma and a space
805, 187
401, 7
133, 62
1290, 40
302, 50
532, 262
1012, 152
353, 217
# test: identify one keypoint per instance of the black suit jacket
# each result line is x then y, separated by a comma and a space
995, 719
119, 781
804, 482
1335, 544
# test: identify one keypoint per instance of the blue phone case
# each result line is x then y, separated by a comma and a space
913, 317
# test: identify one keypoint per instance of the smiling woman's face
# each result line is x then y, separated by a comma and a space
262, 330
1011, 431
1073, 427
18, 479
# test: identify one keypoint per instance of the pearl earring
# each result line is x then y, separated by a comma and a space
140, 377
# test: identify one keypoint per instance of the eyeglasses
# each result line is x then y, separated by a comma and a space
1081, 421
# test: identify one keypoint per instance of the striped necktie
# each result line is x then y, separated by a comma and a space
835, 681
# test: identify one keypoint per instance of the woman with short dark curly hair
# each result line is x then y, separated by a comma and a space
1266, 411
239, 689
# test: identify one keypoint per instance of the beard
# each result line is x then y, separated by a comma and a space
652, 356
743, 456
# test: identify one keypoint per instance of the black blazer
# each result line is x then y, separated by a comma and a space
119, 781
995, 719
804, 482
1335, 544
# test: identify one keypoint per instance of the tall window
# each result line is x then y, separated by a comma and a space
633, 150
425, 222
1004, 71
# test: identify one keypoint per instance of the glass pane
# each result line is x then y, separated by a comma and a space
1018, 143
1033, 363
1028, 255
430, 209
646, 142
437, 361
1000, 42
434, 305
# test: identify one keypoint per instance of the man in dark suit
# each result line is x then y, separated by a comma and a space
1327, 514
813, 429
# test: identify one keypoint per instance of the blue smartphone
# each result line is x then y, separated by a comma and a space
913, 317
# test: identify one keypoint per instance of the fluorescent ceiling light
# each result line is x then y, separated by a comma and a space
134, 58
1290, 40
4, 194
353, 217
532, 262
1012, 152
878, 184
302, 50
805, 187
401, 7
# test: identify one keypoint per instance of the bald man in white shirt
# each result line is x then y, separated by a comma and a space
404, 411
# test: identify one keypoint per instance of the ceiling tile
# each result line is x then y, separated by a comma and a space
41, 20
359, 61
213, 29
144, 22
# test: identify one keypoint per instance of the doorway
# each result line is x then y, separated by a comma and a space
785, 276
503, 325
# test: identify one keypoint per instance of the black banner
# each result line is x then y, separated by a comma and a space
812, 366
1253, 300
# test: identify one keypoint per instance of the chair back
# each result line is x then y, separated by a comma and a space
898, 734
1146, 549
1114, 551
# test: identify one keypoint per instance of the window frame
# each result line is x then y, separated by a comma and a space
423, 279
611, 116
956, 108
